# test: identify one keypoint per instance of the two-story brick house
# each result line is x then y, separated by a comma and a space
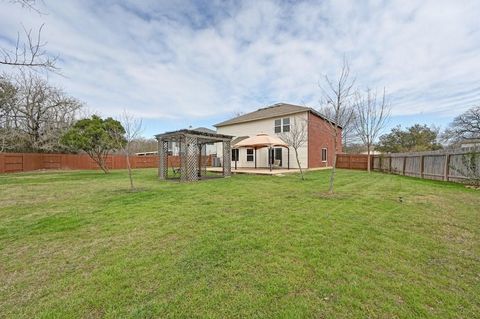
276, 120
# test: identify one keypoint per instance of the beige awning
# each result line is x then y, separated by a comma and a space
261, 140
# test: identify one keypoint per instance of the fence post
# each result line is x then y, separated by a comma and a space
404, 165
446, 169
390, 164
422, 165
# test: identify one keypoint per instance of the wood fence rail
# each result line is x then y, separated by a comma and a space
447, 165
24, 162
353, 161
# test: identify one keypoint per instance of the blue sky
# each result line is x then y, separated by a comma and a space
182, 63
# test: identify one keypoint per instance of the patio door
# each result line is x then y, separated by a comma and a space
275, 154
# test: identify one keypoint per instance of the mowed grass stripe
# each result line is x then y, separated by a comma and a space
78, 244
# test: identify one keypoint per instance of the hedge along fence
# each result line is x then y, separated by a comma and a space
447, 165
24, 162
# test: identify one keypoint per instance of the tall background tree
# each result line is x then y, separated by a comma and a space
97, 137
370, 119
337, 95
34, 114
416, 138
464, 127
296, 138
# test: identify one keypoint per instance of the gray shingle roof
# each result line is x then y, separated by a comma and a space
276, 110
204, 130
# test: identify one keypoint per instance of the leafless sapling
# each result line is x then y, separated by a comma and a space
371, 117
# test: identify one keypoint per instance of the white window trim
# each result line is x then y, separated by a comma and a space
282, 125
326, 154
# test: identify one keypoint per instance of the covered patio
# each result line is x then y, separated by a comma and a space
261, 141
192, 152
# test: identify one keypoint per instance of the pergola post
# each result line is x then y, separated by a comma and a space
189, 161
227, 159
163, 159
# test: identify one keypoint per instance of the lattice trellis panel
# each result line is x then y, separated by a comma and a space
163, 159
227, 161
189, 167
202, 159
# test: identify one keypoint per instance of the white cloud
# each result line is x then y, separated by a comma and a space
161, 60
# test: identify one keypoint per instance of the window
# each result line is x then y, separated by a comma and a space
235, 154
324, 154
249, 154
278, 126
282, 125
286, 124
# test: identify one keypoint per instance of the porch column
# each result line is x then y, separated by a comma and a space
162, 159
288, 156
227, 158
270, 157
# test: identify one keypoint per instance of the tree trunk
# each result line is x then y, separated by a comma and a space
129, 167
298, 163
368, 158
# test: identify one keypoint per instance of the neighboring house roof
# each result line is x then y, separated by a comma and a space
276, 110
205, 130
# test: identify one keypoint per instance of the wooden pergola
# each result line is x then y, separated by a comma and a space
192, 150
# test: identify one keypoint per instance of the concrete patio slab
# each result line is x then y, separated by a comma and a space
263, 171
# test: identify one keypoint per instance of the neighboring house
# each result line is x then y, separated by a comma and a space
470, 143
211, 149
276, 120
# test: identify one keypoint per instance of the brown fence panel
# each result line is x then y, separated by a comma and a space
2, 163
447, 165
24, 162
352, 161
13, 163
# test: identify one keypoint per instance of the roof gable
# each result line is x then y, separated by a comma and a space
273, 111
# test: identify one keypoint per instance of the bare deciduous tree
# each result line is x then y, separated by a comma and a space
371, 117
296, 138
346, 122
464, 127
337, 95
30, 51
33, 114
133, 129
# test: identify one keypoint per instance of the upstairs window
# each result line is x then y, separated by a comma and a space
282, 125
249, 154
286, 124
278, 126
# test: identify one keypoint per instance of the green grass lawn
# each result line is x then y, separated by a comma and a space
78, 244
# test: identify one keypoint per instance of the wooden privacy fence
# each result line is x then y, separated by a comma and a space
352, 161
439, 165
24, 162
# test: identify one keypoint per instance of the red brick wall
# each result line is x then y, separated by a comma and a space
319, 136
